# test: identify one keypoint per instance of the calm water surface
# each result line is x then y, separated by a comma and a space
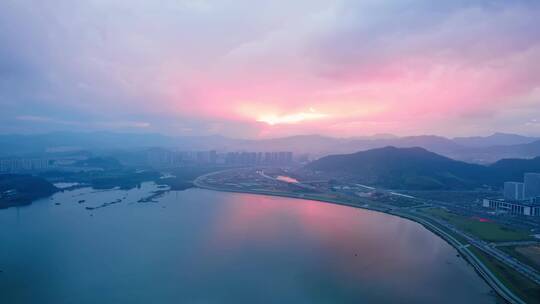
200, 246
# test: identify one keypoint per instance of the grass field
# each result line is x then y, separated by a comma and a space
524, 288
397, 201
486, 230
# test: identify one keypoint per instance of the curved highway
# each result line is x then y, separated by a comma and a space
480, 267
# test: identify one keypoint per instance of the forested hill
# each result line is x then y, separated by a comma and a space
417, 168
18, 189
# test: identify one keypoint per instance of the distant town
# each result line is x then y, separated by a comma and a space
155, 157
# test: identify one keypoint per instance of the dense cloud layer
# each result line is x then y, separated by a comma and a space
269, 68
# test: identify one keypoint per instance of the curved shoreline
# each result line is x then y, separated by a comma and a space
484, 272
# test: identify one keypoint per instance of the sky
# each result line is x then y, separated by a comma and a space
256, 69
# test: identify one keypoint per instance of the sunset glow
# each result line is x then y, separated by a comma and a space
291, 118
193, 67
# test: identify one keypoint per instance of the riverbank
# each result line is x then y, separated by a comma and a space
234, 245
462, 247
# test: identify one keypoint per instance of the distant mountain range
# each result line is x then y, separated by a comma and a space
497, 139
417, 168
471, 149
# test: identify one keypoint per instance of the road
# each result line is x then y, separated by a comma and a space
411, 213
490, 278
490, 249
518, 243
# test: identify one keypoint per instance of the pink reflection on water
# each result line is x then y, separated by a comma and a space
351, 244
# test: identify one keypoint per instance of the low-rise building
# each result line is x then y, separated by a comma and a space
527, 207
519, 198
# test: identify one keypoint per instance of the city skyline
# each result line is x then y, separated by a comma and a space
246, 70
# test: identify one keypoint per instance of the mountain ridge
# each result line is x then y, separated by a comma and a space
419, 169
316, 145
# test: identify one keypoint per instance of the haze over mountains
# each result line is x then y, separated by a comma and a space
470, 149
497, 139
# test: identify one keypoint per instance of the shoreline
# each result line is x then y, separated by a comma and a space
463, 249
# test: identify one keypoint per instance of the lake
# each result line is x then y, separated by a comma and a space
201, 246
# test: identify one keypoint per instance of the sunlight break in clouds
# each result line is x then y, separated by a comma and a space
292, 118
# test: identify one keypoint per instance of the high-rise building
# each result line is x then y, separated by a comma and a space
532, 185
213, 157
513, 191
259, 158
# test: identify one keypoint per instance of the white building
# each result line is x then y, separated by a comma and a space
529, 208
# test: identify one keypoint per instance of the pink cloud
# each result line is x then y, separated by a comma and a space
345, 68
